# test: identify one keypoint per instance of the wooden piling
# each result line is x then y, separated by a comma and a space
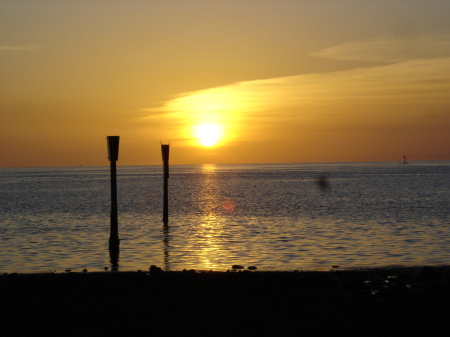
165, 158
113, 156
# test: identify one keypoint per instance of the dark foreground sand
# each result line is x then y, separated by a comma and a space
379, 302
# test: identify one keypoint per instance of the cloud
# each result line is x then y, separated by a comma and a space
20, 48
389, 50
401, 79
380, 96
410, 83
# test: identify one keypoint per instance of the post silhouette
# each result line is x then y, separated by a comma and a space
165, 158
113, 156
166, 241
404, 160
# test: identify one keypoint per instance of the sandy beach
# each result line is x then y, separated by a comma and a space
376, 302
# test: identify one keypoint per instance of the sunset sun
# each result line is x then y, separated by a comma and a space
208, 134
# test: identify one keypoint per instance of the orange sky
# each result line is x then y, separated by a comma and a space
265, 81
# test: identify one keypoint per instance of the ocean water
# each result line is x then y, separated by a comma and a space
272, 216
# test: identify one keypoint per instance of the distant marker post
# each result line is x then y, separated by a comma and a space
165, 159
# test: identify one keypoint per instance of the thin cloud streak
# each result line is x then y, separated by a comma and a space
389, 50
421, 77
20, 48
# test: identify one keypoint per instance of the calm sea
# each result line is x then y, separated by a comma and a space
272, 216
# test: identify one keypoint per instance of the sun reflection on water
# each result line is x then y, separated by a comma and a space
208, 168
211, 228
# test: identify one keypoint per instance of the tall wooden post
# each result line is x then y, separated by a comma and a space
165, 158
113, 156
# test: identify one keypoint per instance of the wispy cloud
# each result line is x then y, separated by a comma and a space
360, 98
422, 76
20, 47
389, 50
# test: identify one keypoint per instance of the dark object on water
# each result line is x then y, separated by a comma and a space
336, 266
252, 268
68, 270
84, 270
236, 266
322, 182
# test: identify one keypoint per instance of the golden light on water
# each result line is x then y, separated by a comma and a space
211, 227
208, 169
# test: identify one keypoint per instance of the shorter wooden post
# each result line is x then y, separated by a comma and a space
165, 158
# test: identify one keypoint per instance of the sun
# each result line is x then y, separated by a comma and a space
208, 134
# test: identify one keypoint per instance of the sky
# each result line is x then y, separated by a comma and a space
225, 81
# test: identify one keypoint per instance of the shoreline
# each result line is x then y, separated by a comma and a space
398, 301
409, 269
